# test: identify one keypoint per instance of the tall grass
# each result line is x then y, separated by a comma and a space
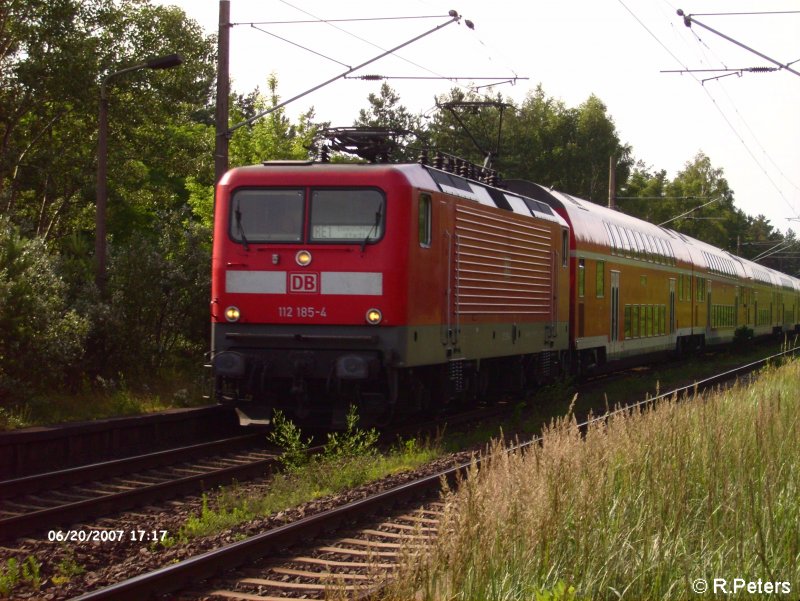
639, 508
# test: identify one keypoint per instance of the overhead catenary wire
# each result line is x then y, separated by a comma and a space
458, 77
689, 211
325, 56
366, 41
753, 13
454, 17
714, 102
688, 20
777, 249
512, 80
744, 121
748, 69
351, 20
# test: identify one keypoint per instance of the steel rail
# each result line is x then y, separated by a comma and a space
188, 572
67, 513
17, 487
41, 449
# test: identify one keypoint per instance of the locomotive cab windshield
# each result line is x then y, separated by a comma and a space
336, 215
260, 215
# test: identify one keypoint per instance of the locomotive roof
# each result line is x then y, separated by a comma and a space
419, 176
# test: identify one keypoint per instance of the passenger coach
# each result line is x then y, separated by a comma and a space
639, 289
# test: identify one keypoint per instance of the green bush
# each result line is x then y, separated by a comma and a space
288, 436
41, 335
353, 442
156, 312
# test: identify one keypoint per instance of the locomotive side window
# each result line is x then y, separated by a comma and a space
347, 215
266, 215
424, 218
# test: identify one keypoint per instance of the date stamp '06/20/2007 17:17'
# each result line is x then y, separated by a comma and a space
82, 536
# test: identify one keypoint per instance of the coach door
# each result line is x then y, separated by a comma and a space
672, 305
614, 306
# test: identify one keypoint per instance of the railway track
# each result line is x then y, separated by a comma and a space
280, 564
46, 448
52, 501
356, 563
60, 498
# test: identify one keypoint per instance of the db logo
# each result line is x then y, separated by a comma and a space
304, 282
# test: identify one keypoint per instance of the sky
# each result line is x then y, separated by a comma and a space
748, 124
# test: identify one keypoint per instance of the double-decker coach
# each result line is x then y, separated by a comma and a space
639, 289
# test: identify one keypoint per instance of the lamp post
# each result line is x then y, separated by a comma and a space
162, 62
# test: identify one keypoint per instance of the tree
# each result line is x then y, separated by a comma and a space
468, 130
719, 223
542, 140
54, 55
41, 335
385, 111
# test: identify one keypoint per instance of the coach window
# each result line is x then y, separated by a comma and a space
700, 289
666, 253
647, 251
581, 277
640, 246
611, 241
424, 218
627, 241
600, 279
564, 247
627, 321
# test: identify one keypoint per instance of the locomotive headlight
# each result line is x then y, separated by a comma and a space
232, 314
303, 258
374, 317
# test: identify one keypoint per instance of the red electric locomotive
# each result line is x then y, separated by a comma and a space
379, 283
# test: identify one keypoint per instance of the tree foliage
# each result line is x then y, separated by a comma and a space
272, 137
54, 56
41, 335
540, 139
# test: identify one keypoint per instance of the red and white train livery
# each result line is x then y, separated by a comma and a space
380, 283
